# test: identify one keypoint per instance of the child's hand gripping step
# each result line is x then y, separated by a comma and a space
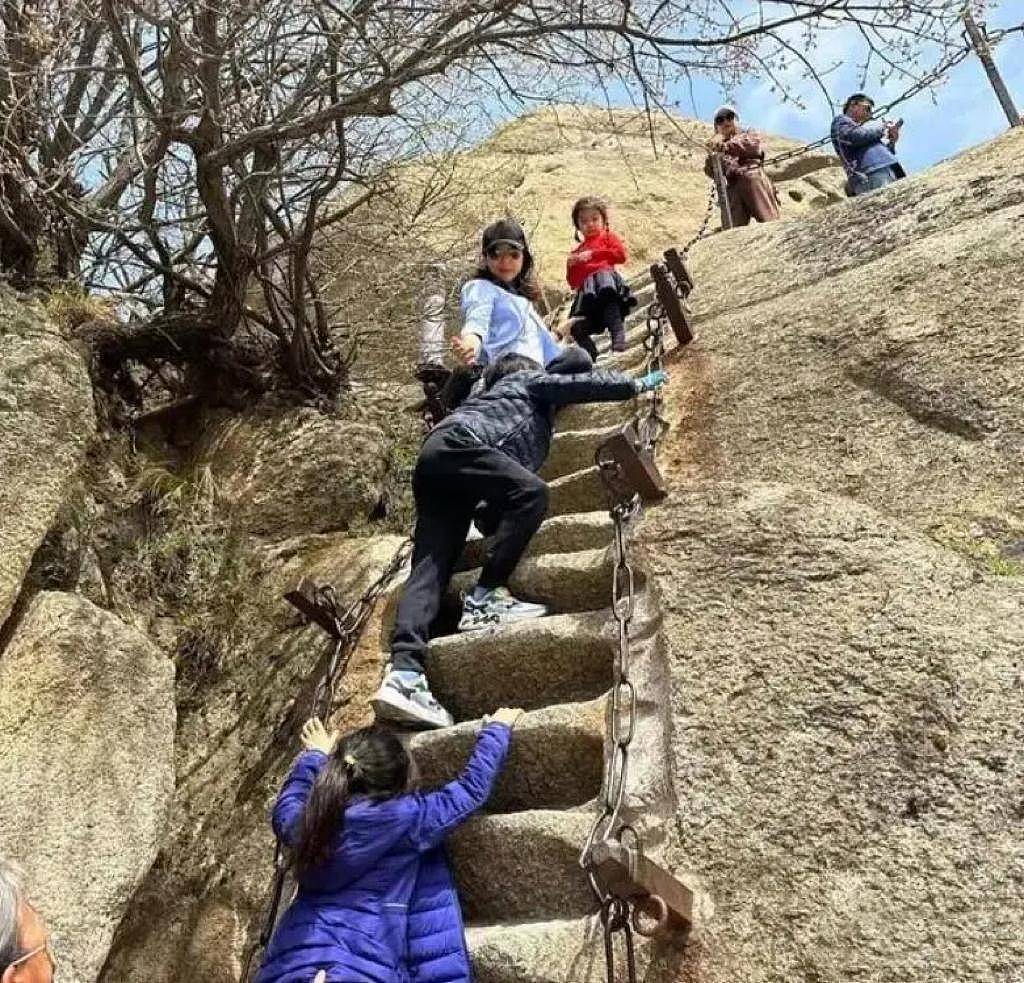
653, 380
316, 737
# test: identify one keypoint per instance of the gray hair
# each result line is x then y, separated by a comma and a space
11, 897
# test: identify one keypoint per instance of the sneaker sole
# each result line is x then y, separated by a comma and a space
398, 711
497, 621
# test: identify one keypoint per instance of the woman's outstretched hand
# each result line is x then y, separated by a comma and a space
465, 348
507, 716
316, 737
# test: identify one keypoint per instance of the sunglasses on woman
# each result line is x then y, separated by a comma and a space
498, 250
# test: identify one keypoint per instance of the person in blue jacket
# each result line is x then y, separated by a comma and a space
866, 146
376, 900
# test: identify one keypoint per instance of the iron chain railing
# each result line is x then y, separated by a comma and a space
619, 915
346, 629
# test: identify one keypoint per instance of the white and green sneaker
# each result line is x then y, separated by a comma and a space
405, 698
497, 607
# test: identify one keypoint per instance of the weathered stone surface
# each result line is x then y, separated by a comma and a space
561, 659
563, 951
555, 761
195, 915
46, 420
874, 350
580, 491
573, 450
559, 534
289, 472
848, 723
522, 866
86, 754
563, 581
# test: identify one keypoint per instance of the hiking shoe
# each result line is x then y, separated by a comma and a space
498, 607
406, 699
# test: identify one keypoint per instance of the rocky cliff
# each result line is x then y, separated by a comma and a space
828, 624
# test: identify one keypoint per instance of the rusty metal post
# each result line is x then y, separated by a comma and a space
671, 303
723, 190
633, 463
637, 879
979, 42
679, 270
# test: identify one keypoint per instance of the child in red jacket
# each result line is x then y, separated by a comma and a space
602, 297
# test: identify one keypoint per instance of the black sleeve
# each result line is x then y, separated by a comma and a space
588, 387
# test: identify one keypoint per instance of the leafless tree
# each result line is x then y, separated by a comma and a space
185, 156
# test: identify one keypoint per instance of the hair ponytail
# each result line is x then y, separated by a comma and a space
323, 818
368, 762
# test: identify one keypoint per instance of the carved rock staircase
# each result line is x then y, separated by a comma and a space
530, 915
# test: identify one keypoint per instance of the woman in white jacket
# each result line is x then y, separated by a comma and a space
499, 317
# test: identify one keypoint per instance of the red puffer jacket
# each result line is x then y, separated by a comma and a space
606, 251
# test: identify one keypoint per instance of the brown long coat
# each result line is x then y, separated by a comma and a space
750, 191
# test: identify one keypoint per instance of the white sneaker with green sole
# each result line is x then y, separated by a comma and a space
498, 607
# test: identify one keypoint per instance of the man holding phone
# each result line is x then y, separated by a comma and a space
866, 146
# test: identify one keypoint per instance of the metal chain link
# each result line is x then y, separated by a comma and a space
349, 626
618, 915
702, 232
651, 424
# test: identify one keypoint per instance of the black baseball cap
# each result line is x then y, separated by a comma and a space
505, 232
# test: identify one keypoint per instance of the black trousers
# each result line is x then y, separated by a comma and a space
603, 312
454, 472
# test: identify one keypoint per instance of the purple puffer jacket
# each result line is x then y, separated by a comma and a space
384, 908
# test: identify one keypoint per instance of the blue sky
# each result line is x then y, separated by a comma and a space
960, 114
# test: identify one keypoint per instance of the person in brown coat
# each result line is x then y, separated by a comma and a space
750, 191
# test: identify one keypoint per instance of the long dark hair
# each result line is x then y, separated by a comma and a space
369, 762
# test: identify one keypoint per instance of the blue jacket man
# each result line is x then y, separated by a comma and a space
865, 146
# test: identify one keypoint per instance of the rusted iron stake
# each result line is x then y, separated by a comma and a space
637, 879
677, 267
673, 305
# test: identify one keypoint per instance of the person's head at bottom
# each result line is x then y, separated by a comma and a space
25, 953
507, 365
371, 763
859, 107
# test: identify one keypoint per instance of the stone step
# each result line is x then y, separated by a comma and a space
560, 659
571, 951
631, 361
522, 866
556, 761
594, 416
556, 951
581, 491
573, 450
563, 581
559, 534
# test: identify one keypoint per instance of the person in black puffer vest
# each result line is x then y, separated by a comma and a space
489, 449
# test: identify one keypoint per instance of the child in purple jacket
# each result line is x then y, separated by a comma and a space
376, 900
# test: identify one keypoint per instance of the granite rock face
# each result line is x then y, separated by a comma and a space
874, 350
848, 722
86, 751
291, 472
46, 421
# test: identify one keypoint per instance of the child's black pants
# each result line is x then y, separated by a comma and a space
452, 475
603, 312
